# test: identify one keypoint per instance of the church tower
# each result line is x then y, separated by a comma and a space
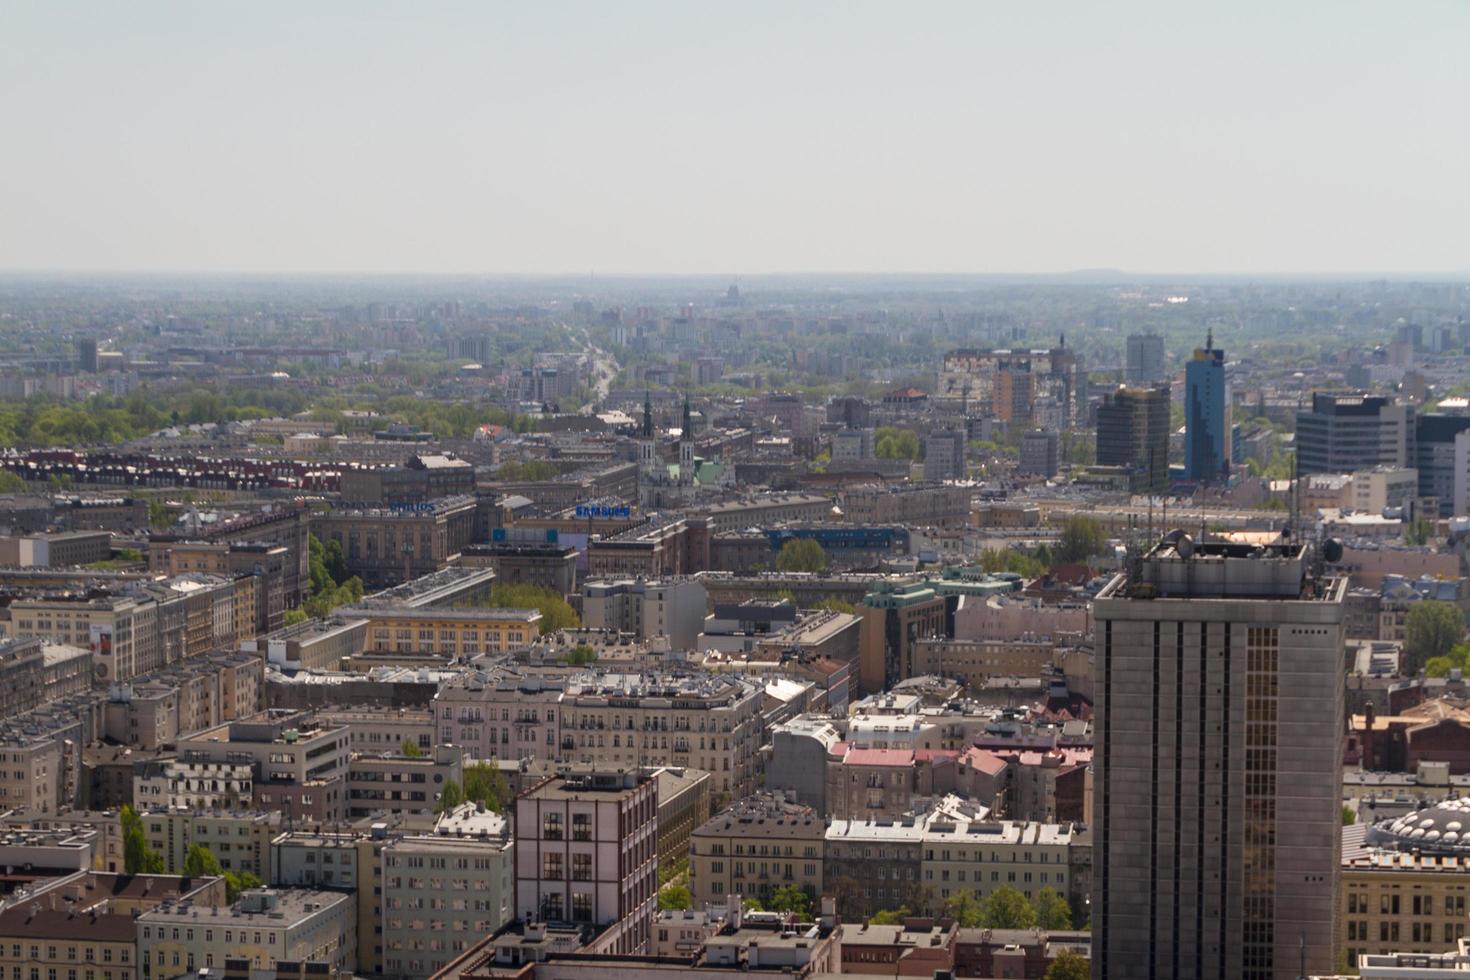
686, 447
647, 448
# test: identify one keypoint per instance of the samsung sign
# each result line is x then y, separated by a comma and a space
613, 512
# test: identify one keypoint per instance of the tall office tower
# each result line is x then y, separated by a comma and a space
1217, 802
1443, 461
1133, 431
87, 354
1145, 359
944, 455
1345, 433
1206, 415
1039, 454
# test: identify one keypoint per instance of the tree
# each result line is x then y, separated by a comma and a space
1349, 816
789, 898
1082, 537
965, 909
485, 783
138, 857
10, 483
836, 605
894, 443
556, 614
1052, 910
1418, 533
1069, 966
410, 748
801, 555
890, 917
200, 862
674, 897
292, 617
1007, 908
1431, 630
581, 655
450, 797
1438, 667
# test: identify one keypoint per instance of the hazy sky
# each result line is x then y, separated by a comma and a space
747, 137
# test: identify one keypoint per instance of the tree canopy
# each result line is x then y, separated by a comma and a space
1068, 965
556, 614
1432, 629
674, 897
138, 857
801, 555
485, 783
1082, 537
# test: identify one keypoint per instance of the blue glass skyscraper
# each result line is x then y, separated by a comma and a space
1206, 416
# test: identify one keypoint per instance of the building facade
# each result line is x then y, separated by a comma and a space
1217, 785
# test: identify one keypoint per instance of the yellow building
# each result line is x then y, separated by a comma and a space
1402, 893
447, 632
85, 928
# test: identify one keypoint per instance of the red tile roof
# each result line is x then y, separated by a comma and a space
879, 757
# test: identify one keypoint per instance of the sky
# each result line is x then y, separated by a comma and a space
727, 138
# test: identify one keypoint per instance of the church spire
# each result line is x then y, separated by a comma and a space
647, 415
688, 428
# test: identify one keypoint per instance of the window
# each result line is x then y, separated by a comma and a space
581, 826
551, 827
551, 866
581, 908
581, 867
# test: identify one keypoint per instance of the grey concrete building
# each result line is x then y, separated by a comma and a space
798, 764
1345, 432
1217, 782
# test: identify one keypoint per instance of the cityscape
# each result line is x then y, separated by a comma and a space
443, 614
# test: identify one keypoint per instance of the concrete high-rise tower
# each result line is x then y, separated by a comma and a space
1218, 771
1145, 363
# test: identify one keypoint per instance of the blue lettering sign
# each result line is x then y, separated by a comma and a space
593, 511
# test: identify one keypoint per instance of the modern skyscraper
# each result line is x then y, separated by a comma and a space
1344, 433
1145, 364
1206, 416
1133, 431
1216, 815
1443, 454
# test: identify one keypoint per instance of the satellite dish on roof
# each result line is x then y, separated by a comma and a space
1332, 550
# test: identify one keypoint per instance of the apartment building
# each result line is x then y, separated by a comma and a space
56, 550
386, 545
673, 609
586, 853
913, 505
155, 709
382, 730
445, 890
84, 926
966, 851
501, 714
41, 753
630, 720
397, 784
872, 865
761, 843
239, 838
33, 672
265, 926
300, 766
